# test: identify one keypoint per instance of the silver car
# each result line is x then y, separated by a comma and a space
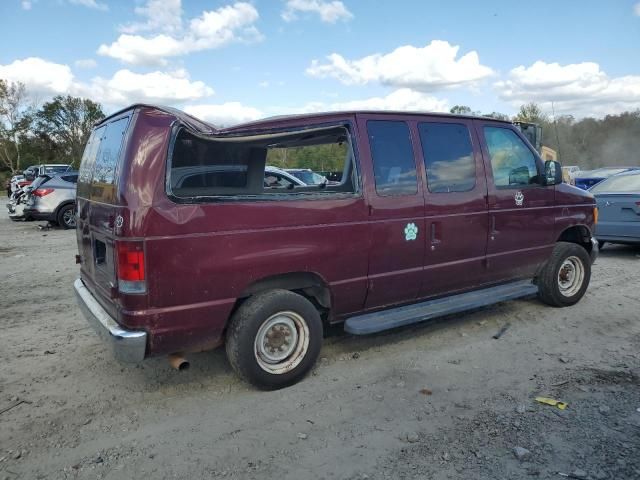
54, 200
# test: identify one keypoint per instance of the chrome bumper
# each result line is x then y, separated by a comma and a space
127, 345
595, 249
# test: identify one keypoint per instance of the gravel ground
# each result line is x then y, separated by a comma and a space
442, 400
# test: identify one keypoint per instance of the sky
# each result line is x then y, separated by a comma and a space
228, 62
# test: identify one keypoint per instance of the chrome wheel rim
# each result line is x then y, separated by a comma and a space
281, 342
570, 276
69, 218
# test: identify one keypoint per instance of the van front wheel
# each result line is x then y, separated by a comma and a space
565, 277
274, 339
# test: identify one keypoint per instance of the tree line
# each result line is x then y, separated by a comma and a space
57, 130
54, 132
613, 140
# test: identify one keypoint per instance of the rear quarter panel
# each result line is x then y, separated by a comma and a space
201, 257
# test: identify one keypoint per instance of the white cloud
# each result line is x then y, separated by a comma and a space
212, 29
581, 89
127, 87
91, 4
225, 114
428, 68
329, 12
39, 76
160, 15
43, 78
86, 63
26, 5
403, 99
636, 9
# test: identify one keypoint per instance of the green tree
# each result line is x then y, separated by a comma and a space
498, 116
15, 123
67, 122
461, 110
531, 113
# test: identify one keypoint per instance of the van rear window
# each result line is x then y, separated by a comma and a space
97, 175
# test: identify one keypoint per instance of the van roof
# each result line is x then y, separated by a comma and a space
341, 113
206, 127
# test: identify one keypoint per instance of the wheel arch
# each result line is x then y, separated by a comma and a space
62, 205
580, 234
310, 284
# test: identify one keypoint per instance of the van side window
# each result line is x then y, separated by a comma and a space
281, 163
448, 157
394, 165
512, 162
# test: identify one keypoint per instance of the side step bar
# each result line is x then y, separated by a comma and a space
418, 312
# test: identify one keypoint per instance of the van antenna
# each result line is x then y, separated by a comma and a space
555, 126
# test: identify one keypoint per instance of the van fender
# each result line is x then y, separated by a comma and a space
579, 234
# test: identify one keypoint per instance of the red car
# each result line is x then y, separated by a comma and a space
183, 247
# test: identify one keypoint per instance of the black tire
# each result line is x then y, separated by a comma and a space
601, 244
66, 217
251, 320
569, 257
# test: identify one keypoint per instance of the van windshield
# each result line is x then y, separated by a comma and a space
208, 166
97, 175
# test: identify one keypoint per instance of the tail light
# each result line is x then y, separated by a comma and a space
41, 192
595, 215
130, 267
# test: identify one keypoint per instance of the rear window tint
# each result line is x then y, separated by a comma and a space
97, 176
70, 178
448, 157
393, 162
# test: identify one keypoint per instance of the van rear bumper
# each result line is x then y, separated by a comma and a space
128, 346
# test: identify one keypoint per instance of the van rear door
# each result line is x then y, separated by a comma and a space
97, 201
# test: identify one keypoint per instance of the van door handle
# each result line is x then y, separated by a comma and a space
434, 236
493, 231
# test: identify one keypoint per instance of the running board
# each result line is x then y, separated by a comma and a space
418, 312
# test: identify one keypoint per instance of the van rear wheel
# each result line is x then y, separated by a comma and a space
565, 277
274, 339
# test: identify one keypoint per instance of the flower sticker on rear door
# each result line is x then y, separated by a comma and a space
410, 231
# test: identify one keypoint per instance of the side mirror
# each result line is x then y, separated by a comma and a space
552, 173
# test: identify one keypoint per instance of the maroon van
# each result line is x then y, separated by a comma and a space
191, 237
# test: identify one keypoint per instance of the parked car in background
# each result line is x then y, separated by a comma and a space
308, 176
14, 183
587, 179
46, 169
569, 174
207, 176
435, 214
618, 199
18, 198
275, 177
54, 200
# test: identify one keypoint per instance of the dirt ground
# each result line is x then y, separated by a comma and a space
442, 400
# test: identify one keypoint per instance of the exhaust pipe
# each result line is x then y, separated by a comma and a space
177, 361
